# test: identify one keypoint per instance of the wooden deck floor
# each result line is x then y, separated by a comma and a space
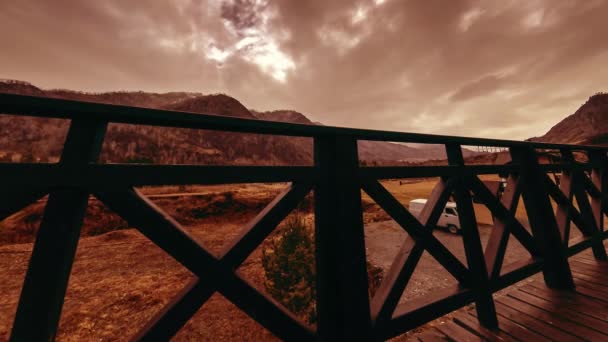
533, 312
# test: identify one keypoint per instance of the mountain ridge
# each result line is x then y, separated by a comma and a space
131, 143
587, 125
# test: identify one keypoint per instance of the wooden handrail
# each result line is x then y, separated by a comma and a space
69, 109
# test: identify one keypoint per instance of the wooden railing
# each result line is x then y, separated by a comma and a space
344, 310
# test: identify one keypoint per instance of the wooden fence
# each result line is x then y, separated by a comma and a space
344, 310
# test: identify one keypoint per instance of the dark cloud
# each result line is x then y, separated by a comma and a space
504, 69
243, 14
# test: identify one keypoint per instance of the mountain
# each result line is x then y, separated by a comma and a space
284, 116
27, 139
378, 151
588, 125
218, 104
19, 87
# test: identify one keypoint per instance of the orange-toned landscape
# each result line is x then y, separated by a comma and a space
120, 279
259, 170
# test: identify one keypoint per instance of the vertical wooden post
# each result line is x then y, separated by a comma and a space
542, 221
566, 185
585, 208
486, 311
342, 297
49, 269
600, 180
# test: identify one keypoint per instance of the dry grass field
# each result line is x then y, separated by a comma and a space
120, 279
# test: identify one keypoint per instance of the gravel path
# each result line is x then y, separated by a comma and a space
384, 239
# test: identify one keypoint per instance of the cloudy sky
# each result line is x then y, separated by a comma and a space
505, 69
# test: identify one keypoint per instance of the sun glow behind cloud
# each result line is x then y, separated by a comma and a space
252, 40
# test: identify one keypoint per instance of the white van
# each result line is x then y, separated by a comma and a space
448, 219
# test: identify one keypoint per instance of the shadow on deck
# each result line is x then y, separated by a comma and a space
533, 312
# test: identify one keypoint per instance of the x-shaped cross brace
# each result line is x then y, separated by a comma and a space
213, 274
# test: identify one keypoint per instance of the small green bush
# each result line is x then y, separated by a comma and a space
289, 264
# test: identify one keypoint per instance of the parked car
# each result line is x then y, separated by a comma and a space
447, 220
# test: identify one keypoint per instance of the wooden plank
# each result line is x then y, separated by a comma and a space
166, 233
587, 213
515, 330
390, 290
579, 244
592, 264
416, 312
592, 189
599, 181
457, 333
562, 213
560, 199
556, 167
542, 221
46, 280
597, 276
517, 271
598, 267
589, 269
417, 231
343, 309
499, 237
568, 296
472, 242
590, 260
578, 304
557, 322
585, 210
265, 310
588, 279
433, 209
141, 213
593, 293
589, 256
431, 335
506, 223
392, 172
118, 176
60, 108
592, 273
256, 230
599, 160
505, 213
168, 321
533, 324
592, 214
16, 197
467, 322
561, 310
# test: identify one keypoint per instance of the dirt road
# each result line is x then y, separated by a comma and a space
384, 239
